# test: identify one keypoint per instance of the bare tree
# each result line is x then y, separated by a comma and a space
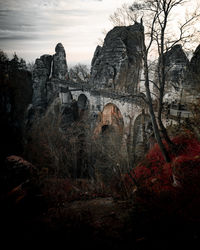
3, 56
79, 73
63, 152
30, 66
123, 16
158, 38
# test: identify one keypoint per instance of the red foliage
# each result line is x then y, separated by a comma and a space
156, 176
186, 169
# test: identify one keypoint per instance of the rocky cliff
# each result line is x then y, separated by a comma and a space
60, 69
117, 65
193, 72
41, 73
182, 75
176, 63
49, 72
49, 79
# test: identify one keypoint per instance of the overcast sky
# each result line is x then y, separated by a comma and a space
34, 27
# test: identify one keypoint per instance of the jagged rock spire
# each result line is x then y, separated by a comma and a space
60, 69
118, 64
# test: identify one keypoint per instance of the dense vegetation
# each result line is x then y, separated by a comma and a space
15, 95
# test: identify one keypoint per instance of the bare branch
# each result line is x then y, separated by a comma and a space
136, 96
183, 37
154, 83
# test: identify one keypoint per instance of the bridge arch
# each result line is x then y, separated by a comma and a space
82, 102
110, 119
142, 127
142, 131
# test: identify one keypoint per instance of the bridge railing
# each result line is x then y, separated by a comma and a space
180, 113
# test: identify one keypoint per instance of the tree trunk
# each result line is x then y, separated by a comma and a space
162, 127
150, 105
161, 74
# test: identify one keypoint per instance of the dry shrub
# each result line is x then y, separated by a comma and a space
55, 151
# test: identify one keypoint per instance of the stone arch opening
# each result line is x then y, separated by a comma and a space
112, 117
110, 154
104, 128
110, 120
142, 132
83, 104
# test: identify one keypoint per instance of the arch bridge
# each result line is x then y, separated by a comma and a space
126, 116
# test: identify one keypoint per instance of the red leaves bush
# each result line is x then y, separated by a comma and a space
157, 177
186, 170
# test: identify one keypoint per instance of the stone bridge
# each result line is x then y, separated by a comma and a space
126, 115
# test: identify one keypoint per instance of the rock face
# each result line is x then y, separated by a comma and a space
18, 171
50, 81
182, 74
176, 63
60, 69
117, 65
193, 74
41, 73
195, 61
49, 71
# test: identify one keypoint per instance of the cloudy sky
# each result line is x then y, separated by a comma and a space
33, 27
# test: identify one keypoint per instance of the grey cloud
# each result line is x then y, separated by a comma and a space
41, 22
11, 35
16, 37
17, 20
23, 4
74, 12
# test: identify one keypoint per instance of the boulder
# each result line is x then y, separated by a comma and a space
17, 171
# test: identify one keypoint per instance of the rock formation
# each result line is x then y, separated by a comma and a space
193, 74
176, 63
117, 65
195, 61
60, 69
182, 75
18, 171
49, 72
41, 73
50, 76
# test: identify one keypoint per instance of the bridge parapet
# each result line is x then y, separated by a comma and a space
180, 113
